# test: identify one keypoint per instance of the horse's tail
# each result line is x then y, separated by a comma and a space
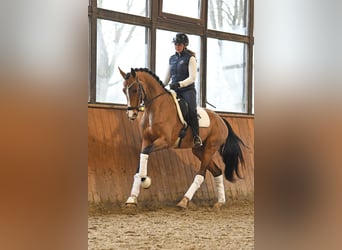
231, 153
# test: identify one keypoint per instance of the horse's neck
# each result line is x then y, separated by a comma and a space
163, 109
158, 99
160, 103
152, 90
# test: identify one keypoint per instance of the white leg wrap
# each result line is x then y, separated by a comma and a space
220, 189
136, 185
194, 186
143, 165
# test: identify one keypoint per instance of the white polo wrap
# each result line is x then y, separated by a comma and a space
194, 186
136, 185
143, 165
220, 189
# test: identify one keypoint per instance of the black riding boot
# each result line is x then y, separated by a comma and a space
195, 132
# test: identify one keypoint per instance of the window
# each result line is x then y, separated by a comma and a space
118, 45
188, 8
134, 7
226, 77
138, 33
228, 16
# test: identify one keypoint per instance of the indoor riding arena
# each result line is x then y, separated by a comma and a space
139, 34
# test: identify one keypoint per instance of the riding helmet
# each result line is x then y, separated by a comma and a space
181, 38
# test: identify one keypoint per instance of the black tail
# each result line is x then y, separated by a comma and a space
232, 155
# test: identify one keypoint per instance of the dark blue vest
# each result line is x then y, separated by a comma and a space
179, 65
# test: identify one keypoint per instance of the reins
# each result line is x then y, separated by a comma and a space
152, 99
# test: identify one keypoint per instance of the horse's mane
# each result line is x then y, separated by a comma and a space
152, 74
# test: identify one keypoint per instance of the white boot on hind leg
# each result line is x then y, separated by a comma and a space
220, 191
194, 186
191, 191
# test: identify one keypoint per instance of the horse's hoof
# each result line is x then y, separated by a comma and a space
146, 183
131, 205
218, 205
183, 203
132, 201
131, 209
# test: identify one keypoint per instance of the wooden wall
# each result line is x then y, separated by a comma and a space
113, 156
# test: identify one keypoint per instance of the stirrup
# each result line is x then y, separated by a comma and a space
197, 141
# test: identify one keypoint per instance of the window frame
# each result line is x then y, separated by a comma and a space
167, 21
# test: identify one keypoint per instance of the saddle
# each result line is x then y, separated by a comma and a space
183, 112
183, 115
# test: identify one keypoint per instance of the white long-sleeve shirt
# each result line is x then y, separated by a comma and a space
192, 67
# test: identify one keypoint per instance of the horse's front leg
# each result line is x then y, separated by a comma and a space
141, 178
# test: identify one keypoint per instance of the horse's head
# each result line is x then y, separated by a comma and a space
133, 92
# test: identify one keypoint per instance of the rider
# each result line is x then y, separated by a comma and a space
182, 71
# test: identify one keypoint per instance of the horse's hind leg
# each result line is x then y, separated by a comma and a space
198, 180
205, 157
218, 178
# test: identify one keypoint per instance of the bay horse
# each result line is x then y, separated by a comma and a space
160, 127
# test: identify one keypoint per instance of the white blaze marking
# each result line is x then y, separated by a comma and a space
130, 112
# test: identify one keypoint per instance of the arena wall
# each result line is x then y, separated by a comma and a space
113, 155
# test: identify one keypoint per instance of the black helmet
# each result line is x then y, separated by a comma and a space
181, 38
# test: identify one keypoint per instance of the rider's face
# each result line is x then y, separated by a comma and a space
179, 47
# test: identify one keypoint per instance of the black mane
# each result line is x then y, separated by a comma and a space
151, 73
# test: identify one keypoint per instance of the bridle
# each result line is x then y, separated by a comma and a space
142, 96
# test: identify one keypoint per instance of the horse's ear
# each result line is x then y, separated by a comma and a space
133, 72
122, 73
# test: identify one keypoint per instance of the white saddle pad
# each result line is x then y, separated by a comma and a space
203, 118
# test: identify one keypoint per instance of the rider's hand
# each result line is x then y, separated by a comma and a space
174, 85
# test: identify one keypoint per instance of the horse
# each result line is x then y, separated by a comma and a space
160, 126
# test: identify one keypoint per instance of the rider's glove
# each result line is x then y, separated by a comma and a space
174, 85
